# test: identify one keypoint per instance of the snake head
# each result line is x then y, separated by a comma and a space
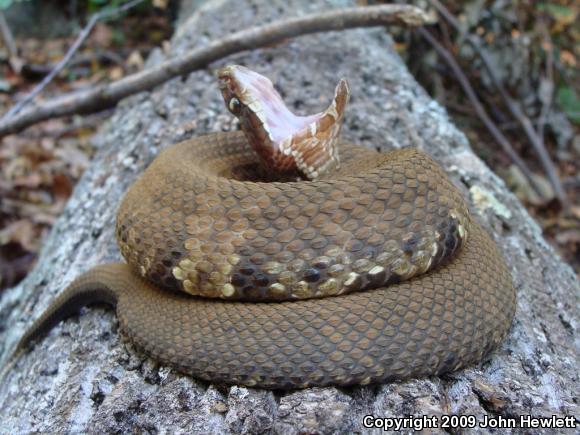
286, 142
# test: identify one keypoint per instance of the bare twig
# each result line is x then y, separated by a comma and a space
512, 105
90, 121
8, 38
548, 96
101, 56
480, 110
107, 95
83, 35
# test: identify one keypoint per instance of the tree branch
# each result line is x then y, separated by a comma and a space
8, 38
39, 71
512, 105
547, 96
107, 95
83, 35
480, 109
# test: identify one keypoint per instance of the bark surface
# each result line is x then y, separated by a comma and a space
84, 377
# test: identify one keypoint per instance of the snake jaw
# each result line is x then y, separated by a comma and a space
286, 142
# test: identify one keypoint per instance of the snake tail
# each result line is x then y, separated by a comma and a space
101, 284
413, 329
364, 269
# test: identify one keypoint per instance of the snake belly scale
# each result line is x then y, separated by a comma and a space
373, 272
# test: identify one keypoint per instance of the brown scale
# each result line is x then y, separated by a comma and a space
221, 247
195, 222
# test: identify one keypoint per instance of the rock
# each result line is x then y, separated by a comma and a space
84, 378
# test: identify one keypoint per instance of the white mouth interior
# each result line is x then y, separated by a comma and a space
268, 105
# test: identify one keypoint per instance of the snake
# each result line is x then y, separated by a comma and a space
282, 257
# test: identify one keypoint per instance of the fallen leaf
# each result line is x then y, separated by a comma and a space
520, 185
30, 181
21, 232
568, 58
563, 16
5, 85
14, 264
135, 60
569, 102
161, 4
102, 35
16, 168
62, 187
569, 236
116, 73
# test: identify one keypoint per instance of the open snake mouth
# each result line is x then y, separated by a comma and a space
286, 142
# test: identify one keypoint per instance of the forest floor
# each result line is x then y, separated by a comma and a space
533, 47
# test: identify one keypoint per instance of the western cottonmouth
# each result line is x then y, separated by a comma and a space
414, 286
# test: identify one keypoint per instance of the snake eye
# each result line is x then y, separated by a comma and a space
234, 105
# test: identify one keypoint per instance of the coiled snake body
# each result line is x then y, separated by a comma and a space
372, 272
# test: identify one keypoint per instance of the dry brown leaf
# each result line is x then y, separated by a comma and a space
21, 232
62, 187
520, 185
135, 60
116, 73
569, 236
76, 159
161, 4
17, 167
30, 181
568, 58
102, 35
